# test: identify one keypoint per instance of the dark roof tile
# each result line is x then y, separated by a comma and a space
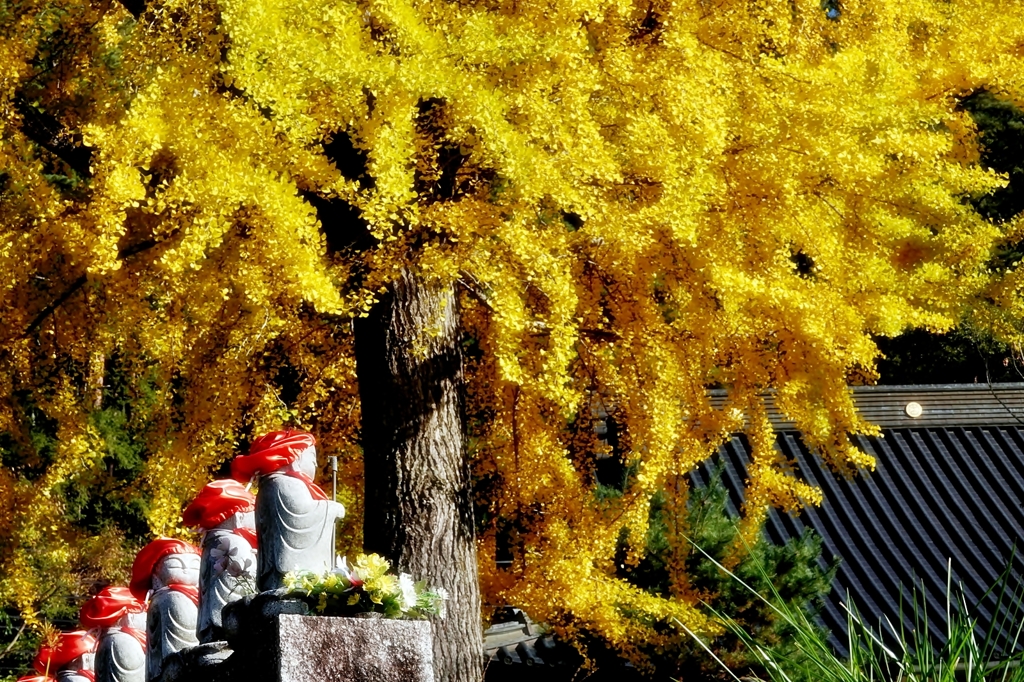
938, 494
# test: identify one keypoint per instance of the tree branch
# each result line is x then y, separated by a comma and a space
46, 131
56, 303
14, 641
125, 253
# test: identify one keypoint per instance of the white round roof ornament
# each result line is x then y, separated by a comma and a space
914, 410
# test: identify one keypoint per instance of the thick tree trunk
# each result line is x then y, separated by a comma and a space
419, 511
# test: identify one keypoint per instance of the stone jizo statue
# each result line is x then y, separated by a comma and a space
120, 621
294, 517
70, 660
168, 570
224, 511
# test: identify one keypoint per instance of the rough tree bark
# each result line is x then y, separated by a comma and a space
419, 509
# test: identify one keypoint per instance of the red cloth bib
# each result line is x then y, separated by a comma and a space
248, 534
139, 635
190, 591
314, 490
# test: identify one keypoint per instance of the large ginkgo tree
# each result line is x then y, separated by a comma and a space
448, 236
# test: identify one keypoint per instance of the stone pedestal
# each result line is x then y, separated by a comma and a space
270, 639
324, 649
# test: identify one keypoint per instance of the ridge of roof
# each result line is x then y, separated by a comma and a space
940, 405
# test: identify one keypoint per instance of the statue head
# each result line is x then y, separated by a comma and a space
112, 607
135, 621
242, 519
176, 569
163, 562
86, 661
72, 651
224, 504
274, 451
306, 462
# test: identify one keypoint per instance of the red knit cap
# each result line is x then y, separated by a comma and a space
37, 678
271, 452
146, 560
70, 646
216, 502
108, 606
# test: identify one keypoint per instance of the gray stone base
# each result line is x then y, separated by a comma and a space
324, 649
271, 640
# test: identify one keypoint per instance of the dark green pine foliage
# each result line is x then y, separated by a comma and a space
798, 573
18, 645
1001, 133
107, 497
103, 501
963, 356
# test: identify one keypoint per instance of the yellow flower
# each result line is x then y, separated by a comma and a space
371, 566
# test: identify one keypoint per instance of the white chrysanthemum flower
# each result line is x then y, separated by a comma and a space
408, 591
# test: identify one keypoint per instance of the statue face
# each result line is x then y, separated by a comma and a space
135, 621
245, 519
307, 461
83, 662
177, 569
238, 520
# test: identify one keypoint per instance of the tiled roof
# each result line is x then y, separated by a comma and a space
941, 493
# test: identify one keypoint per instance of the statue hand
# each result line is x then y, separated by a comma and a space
338, 509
